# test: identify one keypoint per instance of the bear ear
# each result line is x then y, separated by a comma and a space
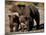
9, 9
19, 5
9, 15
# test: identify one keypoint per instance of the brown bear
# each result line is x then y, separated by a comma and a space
33, 12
